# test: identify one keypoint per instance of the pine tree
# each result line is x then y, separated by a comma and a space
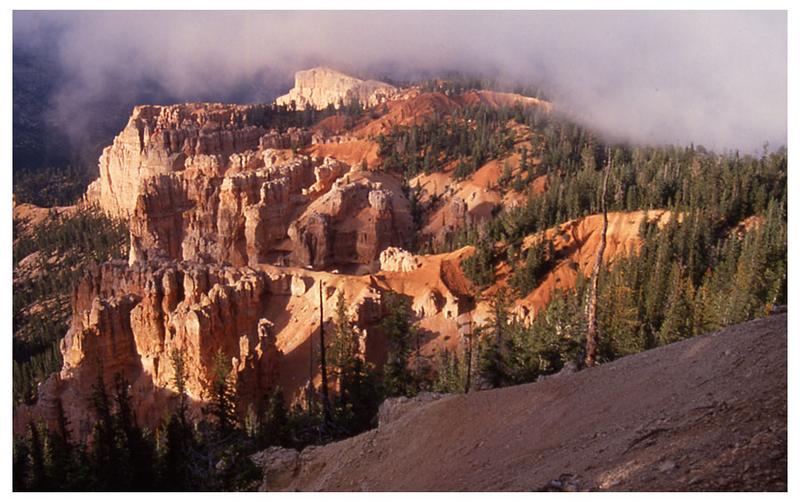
177, 456
397, 379
527, 277
505, 176
222, 406
139, 456
620, 319
105, 453
493, 364
64, 473
178, 360
678, 318
479, 267
592, 335
357, 397
451, 372
344, 342
38, 479
176, 470
276, 426
21, 467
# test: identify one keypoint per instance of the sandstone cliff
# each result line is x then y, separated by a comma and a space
161, 139
211, 183
129, 320
320, 87
352, 223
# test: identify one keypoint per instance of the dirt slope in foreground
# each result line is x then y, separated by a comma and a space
705, 414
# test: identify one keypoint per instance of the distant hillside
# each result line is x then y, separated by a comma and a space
36, 142
707, 413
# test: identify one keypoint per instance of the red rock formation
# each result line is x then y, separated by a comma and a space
162, 139
129, 320
208, 191
215, 199
352, 223
209, 183
236, 218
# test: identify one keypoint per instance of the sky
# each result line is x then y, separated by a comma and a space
713, 78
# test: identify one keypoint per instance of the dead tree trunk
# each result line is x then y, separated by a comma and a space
326, 403
468, 383
310, 385
591, 307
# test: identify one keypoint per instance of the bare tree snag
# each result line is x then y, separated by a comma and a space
591, 307
310, 385
326, 402
468, 383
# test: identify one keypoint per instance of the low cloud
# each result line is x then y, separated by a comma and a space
712, 78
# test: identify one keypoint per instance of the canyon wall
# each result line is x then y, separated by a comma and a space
215, 198
237, 222
210, 183
161, 139
129, 322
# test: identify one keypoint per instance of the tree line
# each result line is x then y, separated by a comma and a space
469, 136
213, 453
65, 244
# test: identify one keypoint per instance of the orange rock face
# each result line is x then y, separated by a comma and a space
214, 200
352, 223
161, 139
209, 183
129, 320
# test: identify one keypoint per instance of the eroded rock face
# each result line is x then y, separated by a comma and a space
320, 87
398, 260
215, 199
350, 225
292, 138
210, 183
129, 321
163, 139
240, 217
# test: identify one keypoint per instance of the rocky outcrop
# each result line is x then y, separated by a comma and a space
218, 203
292, 138
129, 321
240, 217
351, 225
321, 87
250, 217
395, 407
277, 465
213, 184
398, 260
326, 174
164, 139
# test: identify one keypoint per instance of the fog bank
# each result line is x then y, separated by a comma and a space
712, 78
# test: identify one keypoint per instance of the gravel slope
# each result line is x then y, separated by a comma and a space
704, 414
